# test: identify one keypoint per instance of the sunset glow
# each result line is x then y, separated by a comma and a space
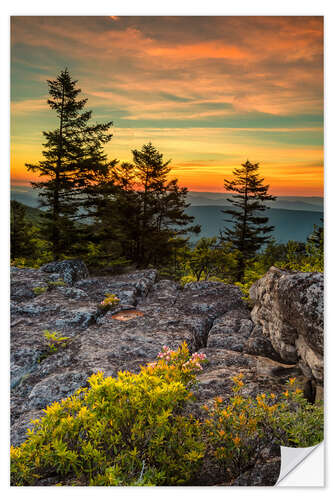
208, 92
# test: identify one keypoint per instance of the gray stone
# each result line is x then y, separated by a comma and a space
55, 388
73, 293
22, 362
69, 270
231, 330
289, 307
262, 474
209, 299
83, 316
258, 344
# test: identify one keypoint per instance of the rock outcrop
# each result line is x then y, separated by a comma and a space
210, 316
289, 308
67, 270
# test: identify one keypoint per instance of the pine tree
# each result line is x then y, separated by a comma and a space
151, 175
249, 231
143, 211
316, 238
161, 215
101, 242
73, 158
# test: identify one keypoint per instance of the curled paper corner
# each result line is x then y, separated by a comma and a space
298, 468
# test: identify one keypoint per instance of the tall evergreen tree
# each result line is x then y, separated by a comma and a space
249, 231
151, 175
142, 210
73, 158
102, 240
161, 213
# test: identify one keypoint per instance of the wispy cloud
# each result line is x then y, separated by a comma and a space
154, 74
28, 106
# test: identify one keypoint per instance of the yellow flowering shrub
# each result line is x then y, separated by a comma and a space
135, 429
110, 300
238, 429
120, 431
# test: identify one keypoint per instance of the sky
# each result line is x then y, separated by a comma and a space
208, 92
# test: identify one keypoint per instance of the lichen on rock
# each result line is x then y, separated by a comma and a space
289, 307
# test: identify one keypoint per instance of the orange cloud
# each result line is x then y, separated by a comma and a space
199, 51
29, 105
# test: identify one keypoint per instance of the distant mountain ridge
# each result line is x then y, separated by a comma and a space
28, 196
25, 195
289, 224
308, 203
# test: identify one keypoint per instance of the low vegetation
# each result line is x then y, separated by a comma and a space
39, 290
54, 340
109, 302
55, 284
136, 429
238, 429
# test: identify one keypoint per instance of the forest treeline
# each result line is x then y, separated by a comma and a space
114, 215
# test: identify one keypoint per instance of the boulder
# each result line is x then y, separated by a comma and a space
258, 344
24, 282
262, 474
69, 271
216, 378
55, 388
289, 307
211, 299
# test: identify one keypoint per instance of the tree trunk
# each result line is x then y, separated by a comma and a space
56, 208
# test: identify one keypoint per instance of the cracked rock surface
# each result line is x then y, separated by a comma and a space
210, 316
289, 306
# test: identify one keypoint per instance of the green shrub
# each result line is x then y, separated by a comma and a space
35, 261
120, 431
22, 262
54, 340
105, 255
38, 290
239, 428
54, 284
188, 278
299, 423
252, 273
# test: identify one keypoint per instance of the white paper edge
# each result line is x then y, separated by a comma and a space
300, 469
